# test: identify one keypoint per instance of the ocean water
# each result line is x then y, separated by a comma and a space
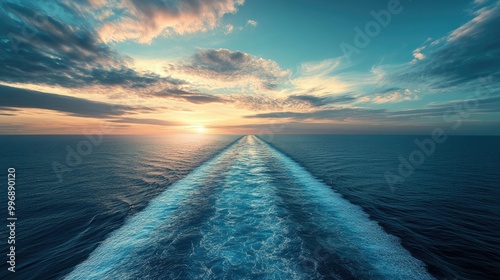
61, 223
447, 213
244, 207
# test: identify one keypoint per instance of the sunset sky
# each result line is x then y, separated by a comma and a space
249, 67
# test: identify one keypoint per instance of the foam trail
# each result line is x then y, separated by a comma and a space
250, 213
248, 236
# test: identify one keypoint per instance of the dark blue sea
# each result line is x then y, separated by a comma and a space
250, 207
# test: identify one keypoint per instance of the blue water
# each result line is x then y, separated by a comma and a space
227, 207
61, 223
447, 213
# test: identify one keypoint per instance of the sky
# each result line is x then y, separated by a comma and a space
250, 67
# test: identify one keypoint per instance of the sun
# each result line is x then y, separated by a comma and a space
200, 128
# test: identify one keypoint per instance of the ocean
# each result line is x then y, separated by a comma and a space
250, 207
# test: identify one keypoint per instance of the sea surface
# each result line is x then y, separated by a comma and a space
250, 207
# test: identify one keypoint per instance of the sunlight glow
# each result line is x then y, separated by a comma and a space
200, 128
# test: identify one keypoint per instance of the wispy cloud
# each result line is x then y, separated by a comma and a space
393, 97
438, 110
328, 114
318, 101
319, 77
458, 59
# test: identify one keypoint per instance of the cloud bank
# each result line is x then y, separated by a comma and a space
225, 68
16, 98
57, 53
468, 53
142, 21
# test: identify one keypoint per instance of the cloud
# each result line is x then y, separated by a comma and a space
457, 108
192, 97
318, 101
483, 105
251, 22
229, 29
6, 111
142, 21
223, 68
418, 55
71, 56
57, 53
319, 77
470, 52
13, 98
265, 102
393, 96
328, 114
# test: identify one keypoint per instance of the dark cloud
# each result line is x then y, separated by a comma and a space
330, 114
6, 111
222, 60
193, 97
40, 49
7, 114
14, 98
322, 101
468, 53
